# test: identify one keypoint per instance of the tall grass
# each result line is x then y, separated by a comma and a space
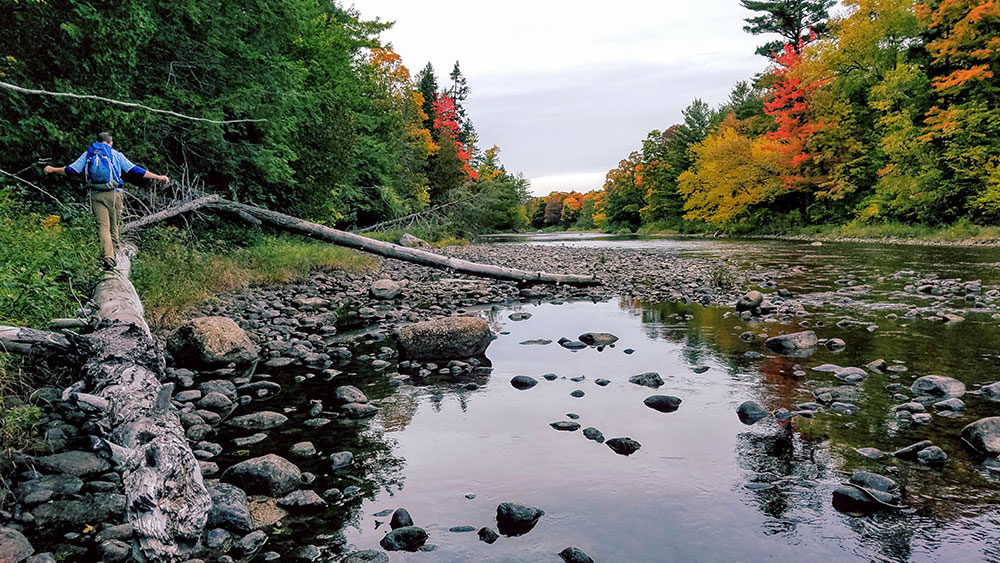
177, 270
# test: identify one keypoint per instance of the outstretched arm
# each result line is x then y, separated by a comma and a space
159, 177
54, 170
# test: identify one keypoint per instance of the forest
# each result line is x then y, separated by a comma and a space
882, 113
323, 119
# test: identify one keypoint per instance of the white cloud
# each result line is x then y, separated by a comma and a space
573, 181
569, 87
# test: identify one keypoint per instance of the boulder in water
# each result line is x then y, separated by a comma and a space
447, 338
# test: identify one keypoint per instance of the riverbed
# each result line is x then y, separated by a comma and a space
703, 486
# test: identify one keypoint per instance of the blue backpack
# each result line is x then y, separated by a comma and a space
100, 166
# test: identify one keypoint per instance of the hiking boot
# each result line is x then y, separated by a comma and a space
108, 263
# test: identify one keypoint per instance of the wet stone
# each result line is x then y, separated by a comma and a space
488, 535
602, 382
750, 412
263, 420
517, 519
623, 446
594, 434
566, 425
662, 403
574, 555
649, 379
523, 382
577, 393
407, 538
400, 519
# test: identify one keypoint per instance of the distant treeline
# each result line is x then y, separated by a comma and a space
885, 113
348, 138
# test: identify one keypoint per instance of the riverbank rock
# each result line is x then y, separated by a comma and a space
938, 386
983, 436
448, 338
270, 475
411, 241
366, 556
75, 463
14, 547
750, 412
523, 382
400, 519
750, 301
517, 519
662, 403
385, 289
407, 538
796, 344
211, 342
230, 508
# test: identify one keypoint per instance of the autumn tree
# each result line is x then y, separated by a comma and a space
625, 194
793, 20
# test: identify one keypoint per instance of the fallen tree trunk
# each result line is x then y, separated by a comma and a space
387, 249
167, 502
166, 499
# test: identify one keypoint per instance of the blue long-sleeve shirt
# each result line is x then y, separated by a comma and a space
120, 161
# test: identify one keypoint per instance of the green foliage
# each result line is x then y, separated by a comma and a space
180, 269
722, 277
793, 20
48, 265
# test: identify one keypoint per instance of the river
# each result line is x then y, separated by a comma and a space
703, 486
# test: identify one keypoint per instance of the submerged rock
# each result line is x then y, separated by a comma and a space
597, 338
938, 386
270, 475
983, 436
594, 434
750, 412
662, 403
523, 382
796, 344
263, 420
407, 538
624, 446
575, 555
517, 519
488, 535
649, 379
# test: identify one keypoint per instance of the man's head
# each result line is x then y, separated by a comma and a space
105, 137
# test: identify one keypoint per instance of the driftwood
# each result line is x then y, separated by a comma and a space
422, 257
166, 499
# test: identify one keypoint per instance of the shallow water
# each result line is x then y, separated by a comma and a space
683, 495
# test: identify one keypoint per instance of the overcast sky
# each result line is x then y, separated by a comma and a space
566, 89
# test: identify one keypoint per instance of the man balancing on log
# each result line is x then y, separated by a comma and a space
101, 168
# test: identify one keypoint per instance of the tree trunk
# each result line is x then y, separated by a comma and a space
422, 257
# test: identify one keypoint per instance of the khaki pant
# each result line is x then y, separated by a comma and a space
107, 208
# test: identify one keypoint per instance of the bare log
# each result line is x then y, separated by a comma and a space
32, 342
422, 257
167, 502
169, 212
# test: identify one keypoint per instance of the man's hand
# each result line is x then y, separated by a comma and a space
163, 179
53, 170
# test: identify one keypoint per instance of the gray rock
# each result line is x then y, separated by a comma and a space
517, 519
263, 420
577, 393
623, 446
520, 316
218, 539
750, 301
47, 488
341, 461
74, 463
302, 501
597, 338
572, 344
983, 436
796, 344
910, 452
302, 450
215, 402
575, 555
250, 440
871, 453
462, 529
210, 342
260, 390
662, 403
358, 410
602, 382
488, 535
349, 394
447, 338
224, 386
411, 241
566, 425
400, 519
853, 500
46, 557
523, 382
991, 392
113, 551
270, 475
835, 344
938, 386
385, 289
407, 538
188, 396
250, 543
933, 456
306, 553
92, 507
230, 508
750, 412
843, 393
14, 547
649, 379
594, 434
